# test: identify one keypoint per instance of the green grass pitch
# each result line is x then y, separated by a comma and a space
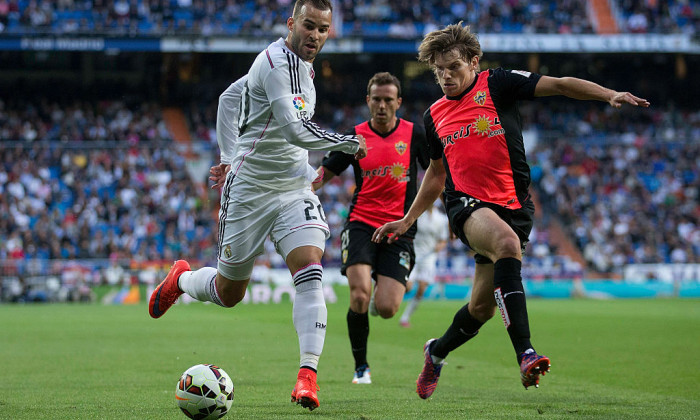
619, 359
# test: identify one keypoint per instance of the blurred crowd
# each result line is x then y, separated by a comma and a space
655, 16
369, 18
118, 201
23, 120
625, 185
625, 203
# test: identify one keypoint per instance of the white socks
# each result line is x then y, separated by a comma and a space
310, 314
410, 309
200, 284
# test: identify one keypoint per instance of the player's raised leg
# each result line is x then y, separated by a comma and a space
492, 237
168, 291
465, 326
205, 285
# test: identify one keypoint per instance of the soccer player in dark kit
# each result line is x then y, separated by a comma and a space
477, 156
386, 185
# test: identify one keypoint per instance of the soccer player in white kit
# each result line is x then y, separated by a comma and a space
264, 132
431, 237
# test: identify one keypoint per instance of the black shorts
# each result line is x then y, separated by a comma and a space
460, 206
392, 260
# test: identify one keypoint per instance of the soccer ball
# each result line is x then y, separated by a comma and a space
204, 392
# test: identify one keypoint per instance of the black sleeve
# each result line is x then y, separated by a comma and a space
435, 149
336, 161
514, 84
420, 146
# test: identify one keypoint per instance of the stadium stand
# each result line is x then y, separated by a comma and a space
77, 200
93, 178
367, 18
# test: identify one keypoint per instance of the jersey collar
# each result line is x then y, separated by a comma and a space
384, 135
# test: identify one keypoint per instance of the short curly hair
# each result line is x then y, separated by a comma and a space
384, 78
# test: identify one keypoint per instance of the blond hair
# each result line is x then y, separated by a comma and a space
452, 37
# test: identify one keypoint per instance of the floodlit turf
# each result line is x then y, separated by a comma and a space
610, 359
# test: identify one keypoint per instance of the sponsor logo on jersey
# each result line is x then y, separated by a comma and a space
227, 251
396, 171
464, 131
298, 103
400, 147
482, 125
480, 97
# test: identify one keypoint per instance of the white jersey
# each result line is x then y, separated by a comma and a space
274, 131
227, 119
432, 228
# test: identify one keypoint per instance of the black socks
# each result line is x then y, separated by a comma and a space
358, 330
464, 327
510, 298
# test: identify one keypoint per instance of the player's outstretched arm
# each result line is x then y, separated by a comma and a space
575, 88
430, 189
309, 136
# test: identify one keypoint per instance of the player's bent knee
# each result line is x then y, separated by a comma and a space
387, 313
230, 291
360, 303
508, 248
482, 311
231, 300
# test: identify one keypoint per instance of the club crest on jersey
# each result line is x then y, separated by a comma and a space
298, 103
227, 251
400, 147
480, 97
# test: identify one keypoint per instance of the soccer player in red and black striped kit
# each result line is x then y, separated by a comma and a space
386, 186
477, 156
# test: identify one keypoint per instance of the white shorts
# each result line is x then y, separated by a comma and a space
249, 214
425, 269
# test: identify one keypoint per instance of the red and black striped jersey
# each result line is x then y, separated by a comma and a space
385, 180
478, 134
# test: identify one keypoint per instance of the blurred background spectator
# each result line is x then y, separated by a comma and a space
367, 18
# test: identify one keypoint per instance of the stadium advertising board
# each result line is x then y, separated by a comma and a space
664, 273
61, 43
514, 43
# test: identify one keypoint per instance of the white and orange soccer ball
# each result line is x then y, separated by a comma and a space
204, 392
